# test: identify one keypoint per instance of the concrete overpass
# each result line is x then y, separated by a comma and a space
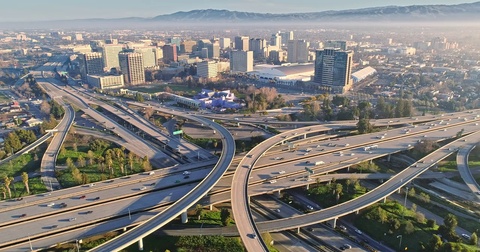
464, 170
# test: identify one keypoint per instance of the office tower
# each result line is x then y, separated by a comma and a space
225, 43
257, 46
175, 41
333, 67
132, 68
241, 61
286, 36
91, 63
169, 53
149, 54
188, 46
241, 43
202, 43
204, 53
111, 41
276, 56
110, 55
213, 51
336, 44
297, 51
276, 40
207, 69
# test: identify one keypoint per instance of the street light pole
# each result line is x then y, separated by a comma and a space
129, 215
400, 244
406, 194
30, 243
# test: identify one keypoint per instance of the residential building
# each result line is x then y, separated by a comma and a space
207, 69
241, 43
333, 68
297, 51
241, 61
131, 65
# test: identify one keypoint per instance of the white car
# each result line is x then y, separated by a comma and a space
273, 181
358, 231
92, 185
51, 204
72, 219
142, 188
186, 173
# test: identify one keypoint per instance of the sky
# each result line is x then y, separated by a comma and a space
38, 10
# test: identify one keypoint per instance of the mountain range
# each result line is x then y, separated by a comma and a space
459, 12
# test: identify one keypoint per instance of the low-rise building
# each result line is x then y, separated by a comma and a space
106, 81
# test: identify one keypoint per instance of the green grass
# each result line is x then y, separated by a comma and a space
35, 184
472, 164
447, 166
156, 243
174, 87
23, 163
383, 232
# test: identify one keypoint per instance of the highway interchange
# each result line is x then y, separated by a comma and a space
256, 170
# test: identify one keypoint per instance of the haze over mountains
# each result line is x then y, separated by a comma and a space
465, 13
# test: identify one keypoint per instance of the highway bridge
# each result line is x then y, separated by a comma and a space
464, 170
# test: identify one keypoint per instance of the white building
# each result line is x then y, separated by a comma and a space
105, 82
287, 74
363, 73
241, 61
225, 43
207, 69
297, 51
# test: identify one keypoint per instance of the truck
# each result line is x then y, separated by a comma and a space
319, 163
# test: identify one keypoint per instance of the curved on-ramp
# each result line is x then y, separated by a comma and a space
465, 173
182, 204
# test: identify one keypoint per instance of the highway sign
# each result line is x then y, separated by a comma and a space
178, 132
309, 170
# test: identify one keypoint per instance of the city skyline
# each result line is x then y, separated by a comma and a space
60, 10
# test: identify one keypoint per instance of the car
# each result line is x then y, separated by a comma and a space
273, 181
72, 219
307, 162
277, 210
50, 204
19, 199
142, 188
96, 198
342, 227
62, 205
253, 236
186, 177
82, 197
23, 215
152, 184
92, 185
466, 237
311, 229
88, 212
186, 173
53, 226
358, 231
309, 207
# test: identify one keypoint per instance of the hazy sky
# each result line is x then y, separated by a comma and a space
32, 10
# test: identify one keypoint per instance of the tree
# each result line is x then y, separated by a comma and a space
81, 161
435, 243
215, 144
364, 126
45, 107
146, 164
338, 191
409, 228
139, 97
6, 182
431, 223
267, 238
3, 191
473, 239
25, 181
225, 216
85, 179
411, 192
130, 160
199, 211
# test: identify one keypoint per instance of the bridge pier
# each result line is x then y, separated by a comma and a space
184, 217
210, 207
389, 157
385, 200
308, 186
298, 230
357, 212
125, 229
278, 193
399, 190
140, 244
348, 168
305, 136
265, 126
334, 223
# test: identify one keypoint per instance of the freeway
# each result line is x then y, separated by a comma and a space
157, 158
28, 148
183, 203
464, 170
377, 194
435, 131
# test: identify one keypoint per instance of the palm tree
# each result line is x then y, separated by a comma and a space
348, 183
215, 144
338, 190
6, 181
25, 181
199, 211
3, 191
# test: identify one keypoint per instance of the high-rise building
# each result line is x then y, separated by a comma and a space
132, 68
241, 61
241, 43
213, 51
297, 51
336, 44
175, 41
202, 43
276, 40
150, 55
169, 53
207, 69
286, 36
91, 63
188, 46
110, 55
333, 67
257, 46
225, 43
